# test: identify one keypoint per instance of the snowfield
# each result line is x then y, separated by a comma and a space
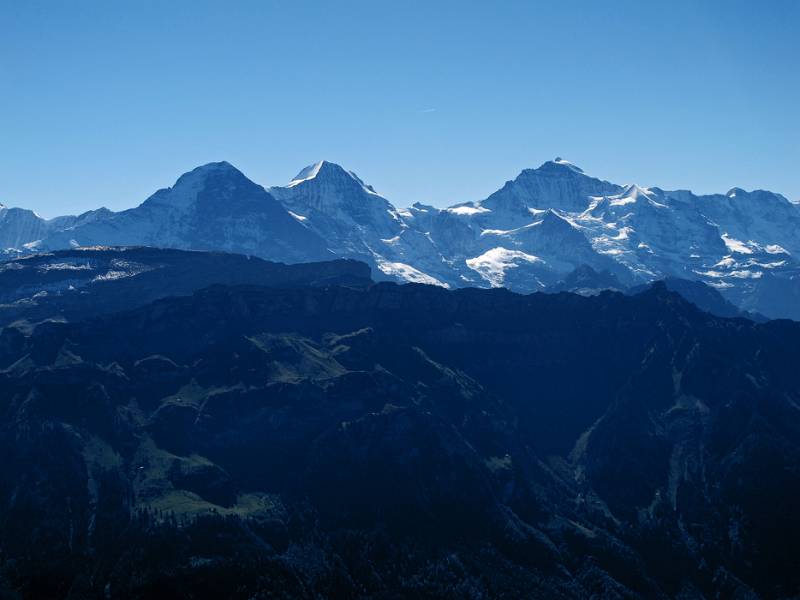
531, 233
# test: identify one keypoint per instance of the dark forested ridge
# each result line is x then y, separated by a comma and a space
86, 282
323, 437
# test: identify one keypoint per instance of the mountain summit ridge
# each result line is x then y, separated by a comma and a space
529, 234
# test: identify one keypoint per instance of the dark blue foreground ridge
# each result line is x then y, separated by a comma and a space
271, 430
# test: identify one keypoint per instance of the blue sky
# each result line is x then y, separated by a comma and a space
101, 103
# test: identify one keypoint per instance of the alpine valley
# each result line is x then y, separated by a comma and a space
528, 236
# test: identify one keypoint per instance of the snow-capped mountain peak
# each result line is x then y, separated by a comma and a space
189, 185
632, 193
733, 192
326, 172
307, 173
212, 207
565, 163
555, 184
326, 186
634, 190
203, 172
19, 226
531, 233
337, 205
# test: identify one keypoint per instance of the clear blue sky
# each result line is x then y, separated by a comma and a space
101, 103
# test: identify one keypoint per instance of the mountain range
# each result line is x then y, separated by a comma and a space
528, 236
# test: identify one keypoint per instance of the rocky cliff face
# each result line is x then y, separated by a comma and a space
213, 207
19, 227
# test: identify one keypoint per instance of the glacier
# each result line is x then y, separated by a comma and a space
528, 236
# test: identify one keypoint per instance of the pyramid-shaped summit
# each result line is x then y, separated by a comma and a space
212, 207
325, 172
336, 204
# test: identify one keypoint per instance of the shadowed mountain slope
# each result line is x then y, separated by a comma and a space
398, 441
86, 282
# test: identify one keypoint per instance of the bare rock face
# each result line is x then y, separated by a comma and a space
213, 207
19, 227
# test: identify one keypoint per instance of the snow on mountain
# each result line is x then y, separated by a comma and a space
357, 222
526, 216
19, 226
70, 221
22, 230
529, 235
557, 184
339, 206
213, 207
494, 264
759, 216
744, 244
652, 236
407, 273
556, 240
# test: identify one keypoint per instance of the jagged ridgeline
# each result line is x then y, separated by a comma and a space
528, 236
203, 425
